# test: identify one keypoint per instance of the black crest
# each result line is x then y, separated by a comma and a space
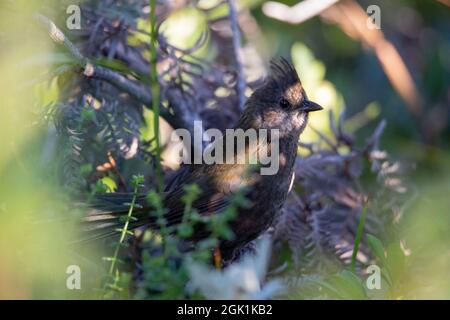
283, 73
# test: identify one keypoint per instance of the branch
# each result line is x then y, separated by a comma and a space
58, 36
446, 2
236, 37
133, 88
353, 20
299, 13
119, 81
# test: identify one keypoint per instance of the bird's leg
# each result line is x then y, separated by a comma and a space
217, 258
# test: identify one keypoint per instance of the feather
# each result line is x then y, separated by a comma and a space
283, 73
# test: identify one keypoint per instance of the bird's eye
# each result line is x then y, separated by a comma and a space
284, 103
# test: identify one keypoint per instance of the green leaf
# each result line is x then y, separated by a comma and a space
86, 169
137, 180
395, 261
208, 243
376, 246
110, 184
359, 235
349, 285
185, 230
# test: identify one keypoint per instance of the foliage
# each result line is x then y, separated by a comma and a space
165, 260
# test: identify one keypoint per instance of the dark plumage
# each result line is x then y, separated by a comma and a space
281, 103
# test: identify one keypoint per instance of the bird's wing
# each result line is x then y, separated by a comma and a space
210, 200
106, 216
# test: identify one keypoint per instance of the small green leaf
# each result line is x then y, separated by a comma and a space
137, 180
395, 261
208, 243
100, 187
349, 285
110, 184
185, 230
376, 246
86, 169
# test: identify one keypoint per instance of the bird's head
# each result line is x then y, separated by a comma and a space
281, 103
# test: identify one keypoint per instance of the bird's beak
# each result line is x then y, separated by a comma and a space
309, 106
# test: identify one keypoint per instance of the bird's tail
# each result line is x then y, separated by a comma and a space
108, 213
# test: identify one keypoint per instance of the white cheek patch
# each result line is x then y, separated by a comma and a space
300, 120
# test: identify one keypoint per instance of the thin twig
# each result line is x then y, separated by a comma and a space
236, 37
324, 138
59, 37
123, 233
156, 95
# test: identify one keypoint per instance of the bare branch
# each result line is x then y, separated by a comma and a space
133, 88
119, 81
59, 37
299, 13
374, 140
446, 2
236, 36
352, 19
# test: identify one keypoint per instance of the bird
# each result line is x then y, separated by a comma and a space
280, 103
